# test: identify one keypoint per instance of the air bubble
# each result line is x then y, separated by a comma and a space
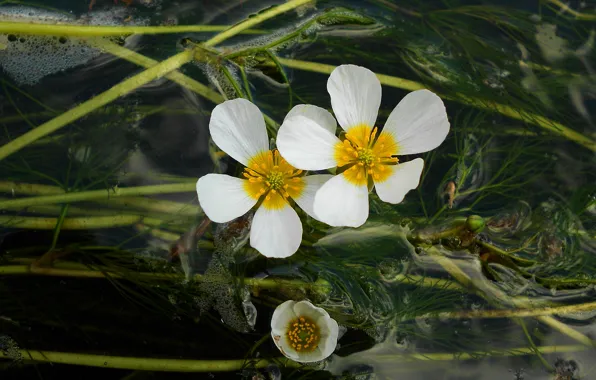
28, 59
10, 348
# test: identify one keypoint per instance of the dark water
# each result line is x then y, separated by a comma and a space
417, 289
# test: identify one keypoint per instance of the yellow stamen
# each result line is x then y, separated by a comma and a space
366, 152
303, 334
268, 175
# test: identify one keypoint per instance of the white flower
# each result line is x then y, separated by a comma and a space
303, 332
365, 158
238, 128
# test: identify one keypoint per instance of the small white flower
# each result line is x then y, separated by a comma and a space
238, 128
303, 332
365, 158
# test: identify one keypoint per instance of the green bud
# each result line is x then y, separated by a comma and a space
475, 223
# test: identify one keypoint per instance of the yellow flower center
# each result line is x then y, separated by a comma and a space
365, 155
273, 179
303, 334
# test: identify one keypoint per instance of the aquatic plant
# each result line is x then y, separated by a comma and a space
108, 261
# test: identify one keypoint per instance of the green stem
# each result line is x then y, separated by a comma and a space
533, 345
55, 209
496, 250
272, 44
181, 365
159, 206
7, 27
520, 351
58, 226
564, 329
98, 101
255, 20
142, 364
565, 8
103, 195
84, 223
148, 204
70, 269
454, 270
146, 62
321, 68
506, 110
20, 188
517, 313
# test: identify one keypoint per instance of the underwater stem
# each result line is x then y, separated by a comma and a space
453, 269
70, 269
143, 61
255, 20
143, 364
181, 365
98, 101
104, 194
83, 223
138, 202
565, 8
102, 30
59, 224
512, 313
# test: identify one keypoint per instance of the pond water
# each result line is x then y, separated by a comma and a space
110, 268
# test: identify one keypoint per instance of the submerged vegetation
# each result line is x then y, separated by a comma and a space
107, 261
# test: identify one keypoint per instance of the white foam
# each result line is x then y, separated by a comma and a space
27, 58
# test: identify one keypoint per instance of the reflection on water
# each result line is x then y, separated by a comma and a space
486, 271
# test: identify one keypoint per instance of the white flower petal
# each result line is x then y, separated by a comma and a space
282, 316
307, 309
310, 356
328, 341
238, 128
341, 203
282, 343
312, 184
317, 114
418, 123
355, 95
276, 232
405, 177
223, 197
306, 145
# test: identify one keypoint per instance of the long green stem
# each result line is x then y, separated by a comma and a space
519, 313
104, 98
69, 269
537, 352
159, 206
181, 365
146, 62
59, 224
94, 195
83, 223
55, 209
566, 8
506, 110
8, 27
142, 364
255, 20
148, 204
564, 329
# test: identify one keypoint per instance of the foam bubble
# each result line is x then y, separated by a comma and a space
10, 348
27, 59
